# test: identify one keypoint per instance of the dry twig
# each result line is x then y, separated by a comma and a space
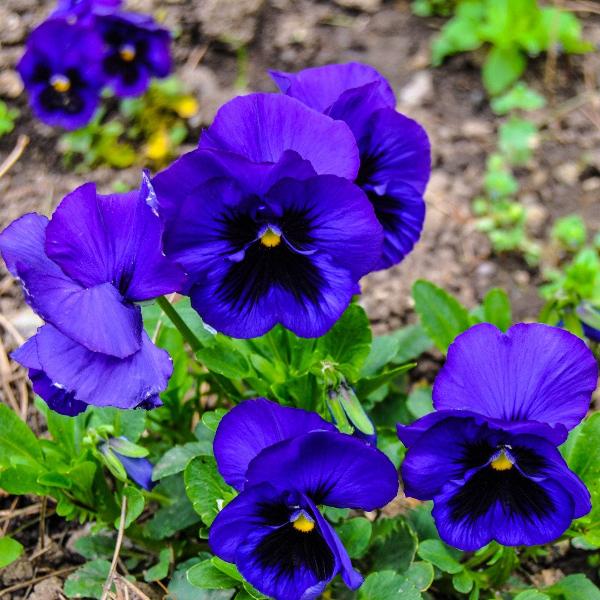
113, 565
14, 156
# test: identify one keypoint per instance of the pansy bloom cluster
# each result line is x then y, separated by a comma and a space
84, 272
85, 46
284, 206
285, 463
488, 456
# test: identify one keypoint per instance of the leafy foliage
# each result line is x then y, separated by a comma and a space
512, 30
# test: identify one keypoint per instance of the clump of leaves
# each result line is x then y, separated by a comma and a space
499, 213
428, 8
8, 116
99, 142
156, 121
570, 232
512, 30
159, 119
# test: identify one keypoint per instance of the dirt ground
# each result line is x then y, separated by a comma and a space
563, 177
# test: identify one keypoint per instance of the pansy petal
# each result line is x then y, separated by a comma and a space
533, 372
470, 516
396, 148
263, 126
332, 468
338, 217
352, 578
254, 425
320, 87
22, 242
356, 107
116, 239
410, 434
438, 456
99, 379
96, 317
56, 398
250, 509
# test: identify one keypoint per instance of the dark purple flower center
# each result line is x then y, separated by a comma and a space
294, 543
61, 92
503, 477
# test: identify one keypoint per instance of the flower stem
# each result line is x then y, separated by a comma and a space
188, 335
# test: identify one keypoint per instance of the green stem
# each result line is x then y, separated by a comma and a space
184, 330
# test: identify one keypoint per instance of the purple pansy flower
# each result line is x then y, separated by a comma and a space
136, 49
61, 72
487, 457
84, 10
394, 150
83, 272
285, 462
266, 233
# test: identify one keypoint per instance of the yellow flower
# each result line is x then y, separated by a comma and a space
186, 107
158, 145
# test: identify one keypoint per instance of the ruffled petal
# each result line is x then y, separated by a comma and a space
56, 398
395, 149
99, 379
331, 468
112, 239
263, 126
352, 578
22, 242
254, 425
320, 87
95, 317
539, 513
533, 372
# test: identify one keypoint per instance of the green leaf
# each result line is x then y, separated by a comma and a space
366, 386
181, 589
206, 488
388, 585
174, 517
161, 569
462, 582
206, 576
135, 506
531, 595
497, 309
438, 554
54, 479
18, 481
575, 587
224, 359
517, 138
176, 459
348, 342
355, 535
502, 67
520, 97
88, 580
228, 568
443, 317
394, 543
420, 574
95, 546
212, 418
18, 444
10, 550
420, 402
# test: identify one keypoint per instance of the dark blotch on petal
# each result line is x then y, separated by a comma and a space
286, 549
516, 493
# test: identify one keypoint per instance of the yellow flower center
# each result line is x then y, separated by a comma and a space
303, 524
270, 238
502, 462
60, 83
127, 52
